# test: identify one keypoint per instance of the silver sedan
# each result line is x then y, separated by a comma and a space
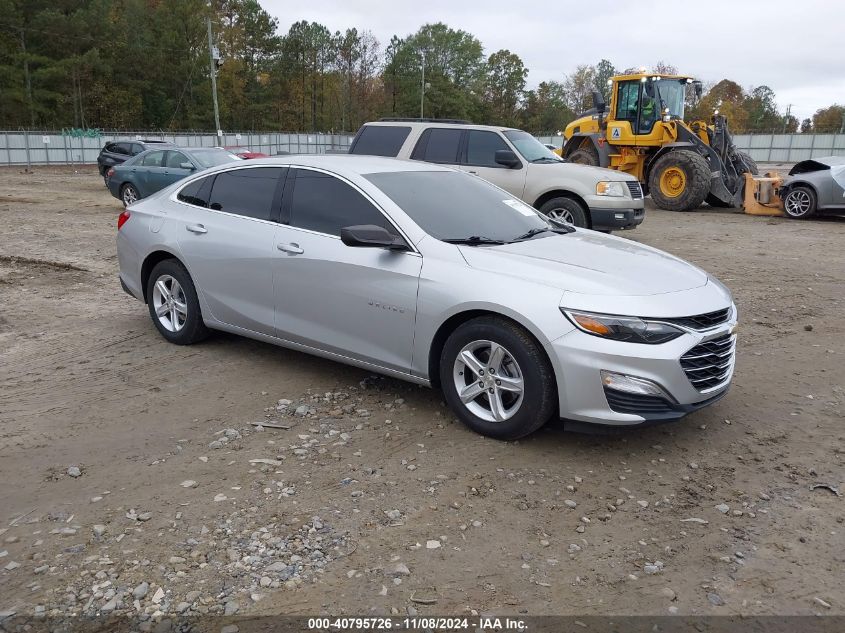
436, 277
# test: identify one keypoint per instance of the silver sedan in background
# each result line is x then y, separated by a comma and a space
436, 277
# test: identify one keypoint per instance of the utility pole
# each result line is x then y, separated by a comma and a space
27, 80
842, 127
786, 118
422, 87
213, 67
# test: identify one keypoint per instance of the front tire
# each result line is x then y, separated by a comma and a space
129, 194
566, 210
174, 305
497, 379
800, 203
679, 180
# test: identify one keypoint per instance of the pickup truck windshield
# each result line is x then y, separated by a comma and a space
454, 206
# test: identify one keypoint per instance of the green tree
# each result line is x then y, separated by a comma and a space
545, 109
579, 87
605, 70
504, 88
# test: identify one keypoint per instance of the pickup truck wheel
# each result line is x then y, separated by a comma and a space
566, 210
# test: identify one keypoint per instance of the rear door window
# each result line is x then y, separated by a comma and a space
325, 204
196, 192
438, 145
252, 193
482, 147
380, 140
153, 159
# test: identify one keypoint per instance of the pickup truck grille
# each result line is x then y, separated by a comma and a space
635, 189
708, 364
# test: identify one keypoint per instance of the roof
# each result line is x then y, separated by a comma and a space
830, 161
444, 123
349, 163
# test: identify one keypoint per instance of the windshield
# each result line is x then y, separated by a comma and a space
531, 149
213, 157
454, 206
672, 94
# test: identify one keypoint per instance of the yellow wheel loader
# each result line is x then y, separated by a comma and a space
644, 134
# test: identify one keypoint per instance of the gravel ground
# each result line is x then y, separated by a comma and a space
133, 477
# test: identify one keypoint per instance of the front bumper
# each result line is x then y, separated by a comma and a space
616, 219
583, 398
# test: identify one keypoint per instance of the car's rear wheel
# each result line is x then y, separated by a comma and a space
566, 210
497, 379
129, 194
800, 203
174, 305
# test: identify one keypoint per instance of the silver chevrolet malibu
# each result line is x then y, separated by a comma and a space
437, 277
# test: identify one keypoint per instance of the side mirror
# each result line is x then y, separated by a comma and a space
507, 158
371, 236
598, 102
187, 166
696, 85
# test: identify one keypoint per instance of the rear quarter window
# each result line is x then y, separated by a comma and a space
380, 140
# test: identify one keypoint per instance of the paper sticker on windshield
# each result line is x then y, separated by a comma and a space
523, 208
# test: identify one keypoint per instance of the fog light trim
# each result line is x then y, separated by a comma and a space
633, 384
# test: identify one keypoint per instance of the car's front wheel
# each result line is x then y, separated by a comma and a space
497, 379
566, 210
800, 203
173, 303
129, 194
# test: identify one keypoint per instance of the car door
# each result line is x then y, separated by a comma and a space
226, 233
148, 172
355, 302
479, 158
176, 167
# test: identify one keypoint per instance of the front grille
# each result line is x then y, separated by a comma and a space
635, 189
701, 321
708, 364
636, 404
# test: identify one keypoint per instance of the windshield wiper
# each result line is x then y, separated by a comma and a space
563, 230
472, 240
546, 158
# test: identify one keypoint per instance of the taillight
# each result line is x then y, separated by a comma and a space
121, 219
110, 172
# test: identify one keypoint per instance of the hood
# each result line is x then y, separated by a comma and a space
576, 170
590, 263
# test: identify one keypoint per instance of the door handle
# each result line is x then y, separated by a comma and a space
199, 229
292, 248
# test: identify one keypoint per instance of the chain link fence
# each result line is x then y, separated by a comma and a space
81, 147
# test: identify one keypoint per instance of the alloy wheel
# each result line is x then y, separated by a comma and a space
797, 203
488, 381
171, 306
129, 195
561, 215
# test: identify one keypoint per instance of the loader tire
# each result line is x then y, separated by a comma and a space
679, 180
713, 201
584, 156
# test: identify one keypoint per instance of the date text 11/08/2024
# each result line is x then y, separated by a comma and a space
491, 624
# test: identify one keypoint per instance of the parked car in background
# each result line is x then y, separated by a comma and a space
588, 197
155, 169
428, 274
246, 153
816, 185
118, 152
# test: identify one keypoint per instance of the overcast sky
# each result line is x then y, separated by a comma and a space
796, 47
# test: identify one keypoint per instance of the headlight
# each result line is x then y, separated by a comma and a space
605, 188
621, 328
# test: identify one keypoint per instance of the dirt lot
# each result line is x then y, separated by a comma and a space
376, 499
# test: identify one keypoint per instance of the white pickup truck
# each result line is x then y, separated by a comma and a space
590, 197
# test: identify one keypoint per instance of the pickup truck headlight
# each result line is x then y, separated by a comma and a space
621, 328
606, 188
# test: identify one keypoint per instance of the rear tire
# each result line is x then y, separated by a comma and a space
174, 305
521, 389
800, 203
750, 167
679, 180
567, 210
584, 156
750, 163
129, 194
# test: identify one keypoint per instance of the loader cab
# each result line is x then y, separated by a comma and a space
640, 101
